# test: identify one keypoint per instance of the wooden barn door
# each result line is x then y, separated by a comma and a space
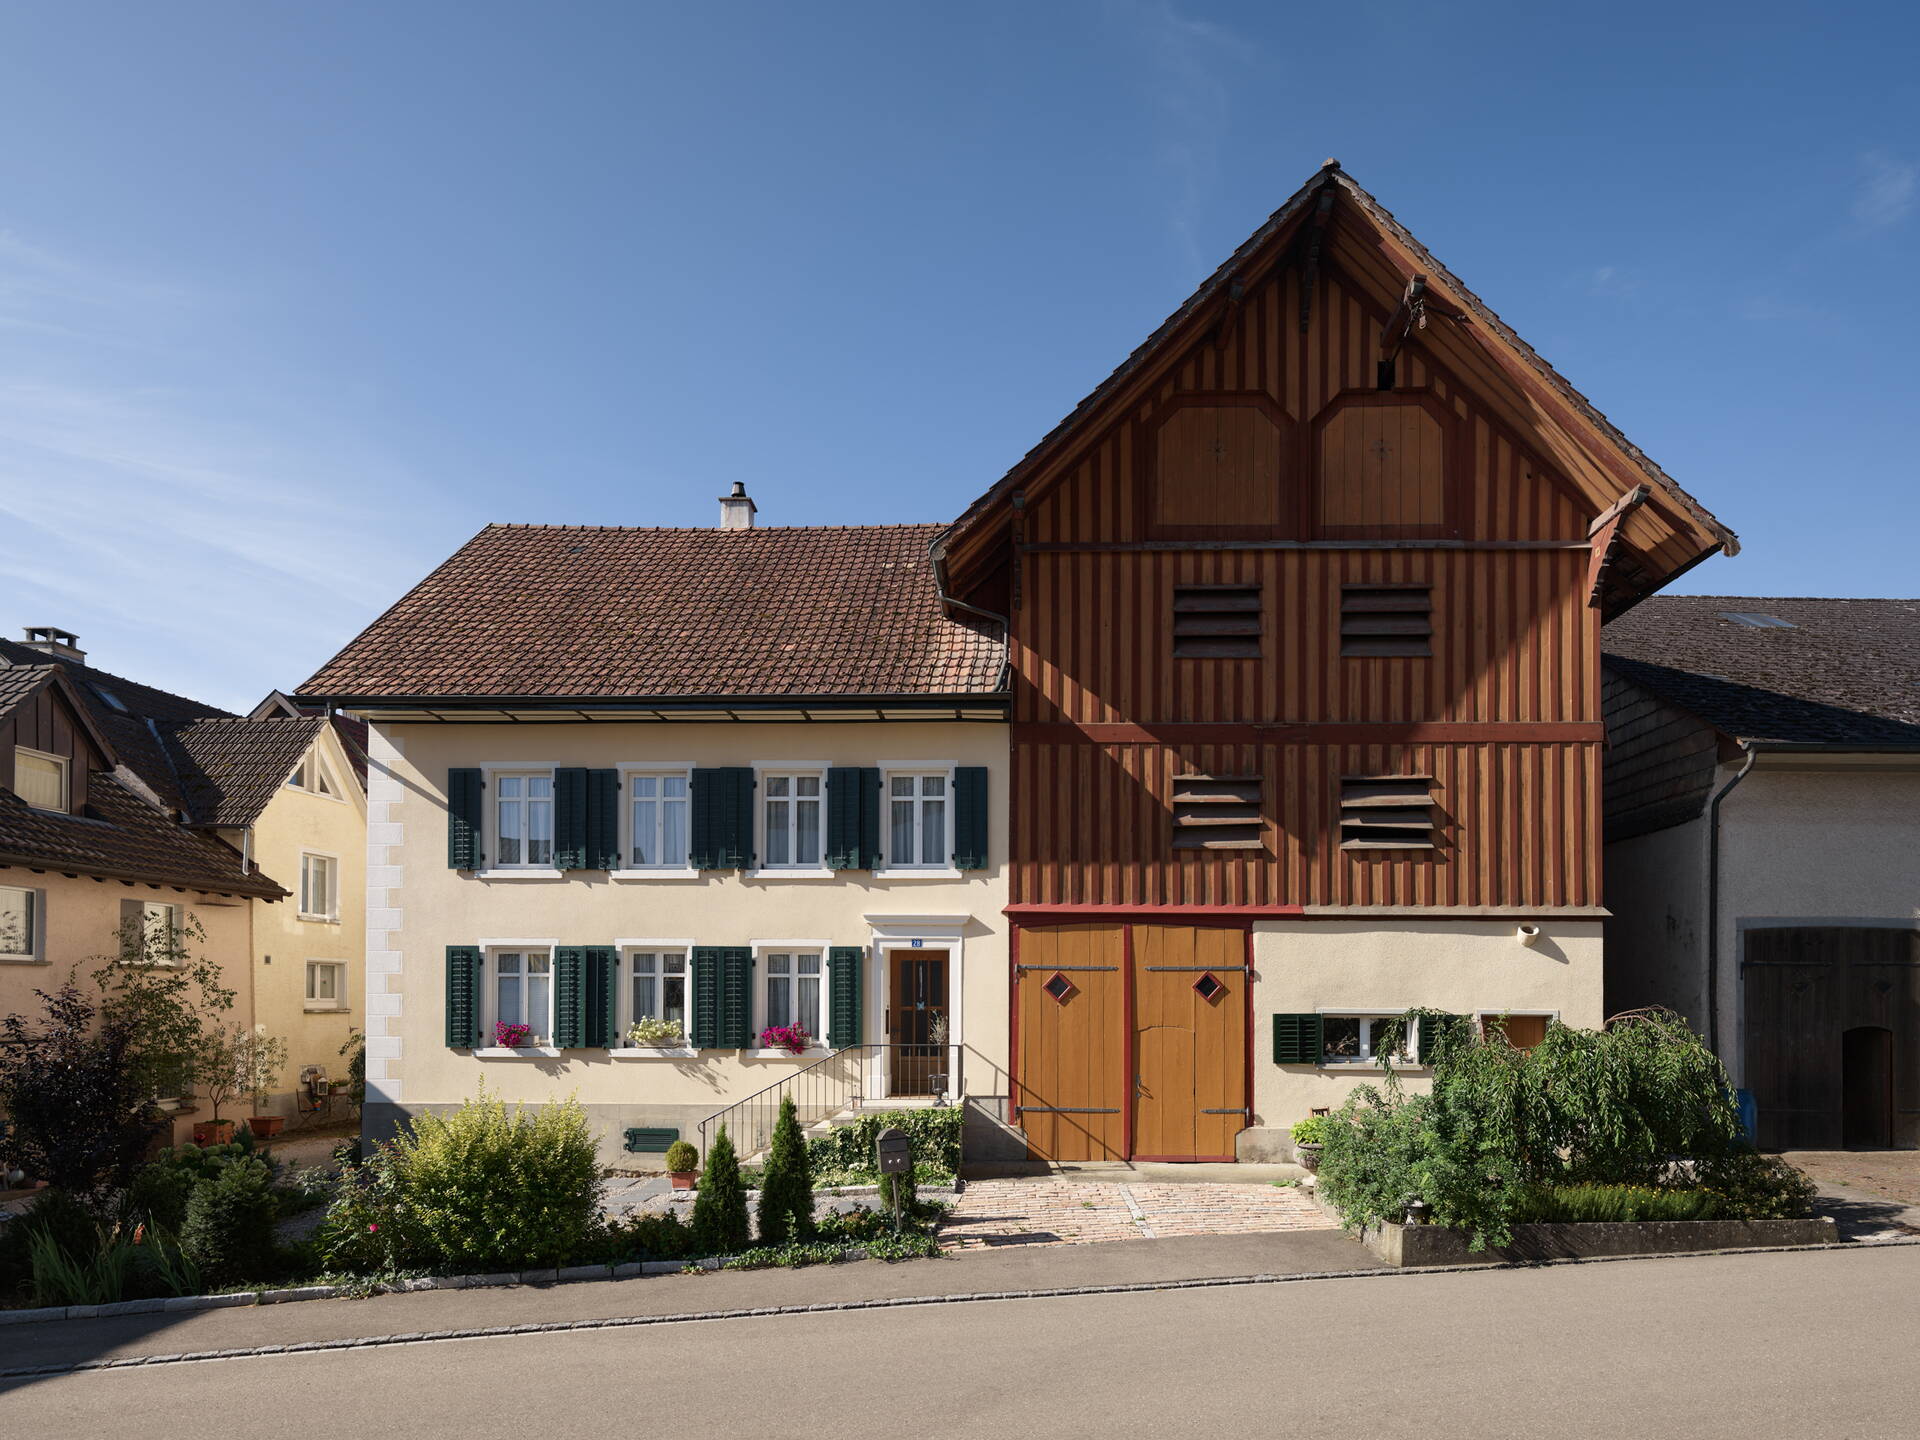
1189, 1041
1070, 1009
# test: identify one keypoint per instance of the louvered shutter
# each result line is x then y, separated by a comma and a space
970, 818
853, 818
465, 790
570, 996
1429, 1028
570, 818
736, 996
603, 978
1297, 1039
722, 826
463, 996
706, 996
843, 995
603, 820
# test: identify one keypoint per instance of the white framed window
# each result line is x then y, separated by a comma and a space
40, 779
1355, 1039
659, 986
523, 819
319, 886
311, 774
522, 993
793, 989
919, 820
792, 809
19, 923
658, 817
160, 927
326, 984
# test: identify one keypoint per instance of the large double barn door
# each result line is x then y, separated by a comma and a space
1132, 1041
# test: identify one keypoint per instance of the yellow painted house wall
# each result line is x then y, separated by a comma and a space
298, 822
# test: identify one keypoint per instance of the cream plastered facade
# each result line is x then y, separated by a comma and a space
417, 906
1365, 966
297, 823
80, 932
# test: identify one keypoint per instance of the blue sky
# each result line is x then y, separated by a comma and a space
294, 298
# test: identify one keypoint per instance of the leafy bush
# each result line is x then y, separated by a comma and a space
228, 1232
720, 1208
160, 1189
682, 1158
369, 1229
909, 1191
166, 997
846, 1152
1312, 1130
650, 1237
54, 1213
1577, 1203
786, 1191
653, 1030
1752, 1186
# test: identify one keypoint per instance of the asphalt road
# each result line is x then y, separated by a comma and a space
1810, 1345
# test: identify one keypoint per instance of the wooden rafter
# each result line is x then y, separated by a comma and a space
1311, 238
1604, 536
1229, 312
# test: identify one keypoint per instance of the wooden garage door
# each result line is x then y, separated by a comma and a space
1071, 1012
1190, 1039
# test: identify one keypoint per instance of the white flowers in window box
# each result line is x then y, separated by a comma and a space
652, 1032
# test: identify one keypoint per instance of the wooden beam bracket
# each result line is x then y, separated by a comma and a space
1411, 315
1604, 536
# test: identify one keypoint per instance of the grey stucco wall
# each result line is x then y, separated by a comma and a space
1656, 887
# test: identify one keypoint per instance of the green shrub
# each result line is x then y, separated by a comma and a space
228, 1233
160, 1188
486, 1188
1562, 1204
905, 1184
1752, 1186
369, 1229
720, 1224
682, 1158
786, 1190
71, 1227
933, 1134
95, 1273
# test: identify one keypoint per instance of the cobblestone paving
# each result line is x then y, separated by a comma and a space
1067, 1212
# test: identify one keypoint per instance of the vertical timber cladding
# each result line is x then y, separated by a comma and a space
1132, 1041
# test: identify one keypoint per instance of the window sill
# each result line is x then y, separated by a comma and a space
526, 1052
21, 960
812, 1052
530, 873
912, 873
796, 874
1368, 1066
633, 875
312, 1009
654, 1052
320, 919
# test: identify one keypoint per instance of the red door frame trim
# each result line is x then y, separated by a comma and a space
1130, 1085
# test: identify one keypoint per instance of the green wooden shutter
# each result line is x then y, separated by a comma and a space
570, 996
603, 820
464, 801
853, 818
722, 826
843, 995
1428, 1028
706, 997
463, 996
1297, 1039
570, 818
603, 979
970, 818
736, 996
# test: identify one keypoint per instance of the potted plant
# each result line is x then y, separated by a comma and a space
653, 1033
511, 1037
1308, 1136
259, 1058
793, 1039
683, 1165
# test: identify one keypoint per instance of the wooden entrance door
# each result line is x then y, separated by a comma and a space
916, 998
1070, 1014
1189, 1041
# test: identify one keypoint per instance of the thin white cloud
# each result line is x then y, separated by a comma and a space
1888, 190
1614, 282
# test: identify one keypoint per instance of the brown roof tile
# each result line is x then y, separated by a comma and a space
229, 769
563, 612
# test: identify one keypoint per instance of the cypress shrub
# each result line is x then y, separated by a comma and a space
786, 1191
720, 1222
228, 1233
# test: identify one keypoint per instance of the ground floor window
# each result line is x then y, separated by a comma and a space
1523, 1032
326, 985
1359, 1039
793, 990
19, 923
658, 988
523, 993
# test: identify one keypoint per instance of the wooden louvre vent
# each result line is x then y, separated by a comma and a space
1217, 812
1216, 621
1386, 620
1387, 812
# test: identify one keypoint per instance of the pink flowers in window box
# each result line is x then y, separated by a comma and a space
793, 1039
512, 1037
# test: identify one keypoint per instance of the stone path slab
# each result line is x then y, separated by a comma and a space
993, 1213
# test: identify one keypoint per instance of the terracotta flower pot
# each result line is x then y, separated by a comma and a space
212, 1132
265, 1127
683, 1179
1308, 1156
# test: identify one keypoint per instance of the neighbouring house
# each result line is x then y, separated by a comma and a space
703, 782
1304, 607
1763, 849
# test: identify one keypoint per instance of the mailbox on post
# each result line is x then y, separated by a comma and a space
893, 1152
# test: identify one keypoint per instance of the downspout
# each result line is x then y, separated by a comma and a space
939, 563
1713, 895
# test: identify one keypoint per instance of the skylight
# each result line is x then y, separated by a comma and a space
110, 698
1754, 620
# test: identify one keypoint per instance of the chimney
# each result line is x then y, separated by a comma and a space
736, 510
60, 644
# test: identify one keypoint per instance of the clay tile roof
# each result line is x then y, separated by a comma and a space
563, 612
229, 769
1840, 672
18, 683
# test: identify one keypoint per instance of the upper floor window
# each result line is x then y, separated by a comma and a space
1216, 622
918, 834
159, 930
40, 779
523, 992
19, 923
791, 805
657, 820
658, 988
794, 993
320, 887
326, 985
523, 818
312, 775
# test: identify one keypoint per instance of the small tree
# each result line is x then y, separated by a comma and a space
74, 1095
165, 995
786, 1190
238, 1061
720, 1208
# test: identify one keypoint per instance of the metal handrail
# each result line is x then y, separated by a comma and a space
848, 1079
